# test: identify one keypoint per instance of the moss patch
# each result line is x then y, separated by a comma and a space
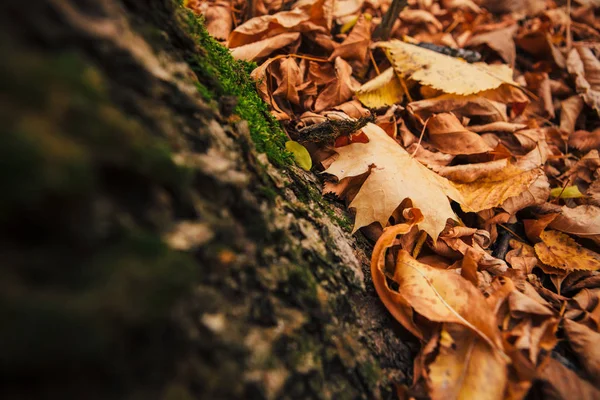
222, 75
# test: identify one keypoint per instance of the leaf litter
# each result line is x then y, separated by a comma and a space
464, 137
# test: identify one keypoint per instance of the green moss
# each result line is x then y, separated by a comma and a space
222, 75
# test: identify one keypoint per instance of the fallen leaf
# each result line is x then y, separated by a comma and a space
442, 72
584, 343
562, 383
356, 45
444, 296
396, 304
339, 90
497, 189
570, 110
585, 66
381, 91
448, 135
291, 77
411, 16
263, 48
394, 177
300, 154
560, 251
468, 369
585, 141
501, 41
461, 106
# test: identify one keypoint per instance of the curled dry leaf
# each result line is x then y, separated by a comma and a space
291, 78
501, 41
381, 91
461, 106
394, 301
448, 135
394, 176
340, 89
444, 296
585, 141
356, 45
468, 369
570, 110
442, 72
585, 66
561, 383
584, 343
560, 251
261, 49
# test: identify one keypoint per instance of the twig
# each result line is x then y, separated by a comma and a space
420, 138
384, 29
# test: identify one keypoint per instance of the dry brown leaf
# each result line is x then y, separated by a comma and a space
307, 15
411, 16
261, 77
394, 301
467, 369
562, 383
461, 106
584, 343
560, 251
449, 74
501, 41
394, 177
291, 77
444, 296
585, 141
262, 48
381, 91
583, 221
339, 90
356, 45
522, 258
217, 17
448, 135
585, 66
503, 127
570, 110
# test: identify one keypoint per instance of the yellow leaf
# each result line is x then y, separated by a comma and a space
560, 251
442, 72
470, 369
493, 190
381, 91
394, 177
570, 192
301, 155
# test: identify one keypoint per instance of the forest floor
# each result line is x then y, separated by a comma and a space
464, 137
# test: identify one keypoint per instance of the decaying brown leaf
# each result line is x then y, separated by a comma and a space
560, 251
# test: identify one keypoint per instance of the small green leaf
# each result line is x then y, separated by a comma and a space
300, 154
570, 192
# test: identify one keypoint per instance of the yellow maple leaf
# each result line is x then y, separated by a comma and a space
395, 176
561, 251
449, 74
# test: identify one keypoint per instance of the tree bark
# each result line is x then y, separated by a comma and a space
150, 248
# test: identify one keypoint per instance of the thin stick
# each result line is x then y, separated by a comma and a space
374, 63
384, 29
420, 138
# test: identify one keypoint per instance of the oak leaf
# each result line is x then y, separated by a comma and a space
394, 176
560, 251
449, 74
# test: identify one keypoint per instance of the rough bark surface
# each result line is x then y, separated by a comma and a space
148, 248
